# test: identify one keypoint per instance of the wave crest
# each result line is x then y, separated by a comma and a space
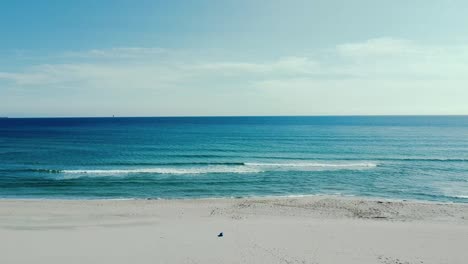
210, 168
315, 165
192, 170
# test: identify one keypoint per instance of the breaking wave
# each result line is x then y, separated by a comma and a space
207, 168
315, 165
191, 170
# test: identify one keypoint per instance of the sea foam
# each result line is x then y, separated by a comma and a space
247, 167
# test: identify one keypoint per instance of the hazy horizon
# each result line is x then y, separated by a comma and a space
226, 116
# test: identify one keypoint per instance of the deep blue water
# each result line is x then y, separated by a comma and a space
424, 158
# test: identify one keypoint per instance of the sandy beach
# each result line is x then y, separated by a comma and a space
262, 230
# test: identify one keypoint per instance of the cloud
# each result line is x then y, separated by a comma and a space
116, 53
382, 58
386, 58
290, 64
379, 47
377, 73
150, 73
27, 78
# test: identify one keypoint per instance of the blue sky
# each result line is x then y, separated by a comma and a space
153, 58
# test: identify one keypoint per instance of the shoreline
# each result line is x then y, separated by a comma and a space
313, 229
267, 197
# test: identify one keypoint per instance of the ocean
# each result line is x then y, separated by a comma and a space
397, 157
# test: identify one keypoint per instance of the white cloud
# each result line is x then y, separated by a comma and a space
116, 53
378, 47
386, 58
148, 72
382, 58
382, 73
28, 78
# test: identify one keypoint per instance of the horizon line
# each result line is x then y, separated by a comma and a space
233, 116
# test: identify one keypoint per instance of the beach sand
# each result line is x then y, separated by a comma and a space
318, 229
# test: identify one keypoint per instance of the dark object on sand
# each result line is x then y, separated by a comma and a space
220, 234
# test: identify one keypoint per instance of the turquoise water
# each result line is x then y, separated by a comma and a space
423, 158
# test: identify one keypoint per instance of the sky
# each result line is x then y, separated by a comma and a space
233, 57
